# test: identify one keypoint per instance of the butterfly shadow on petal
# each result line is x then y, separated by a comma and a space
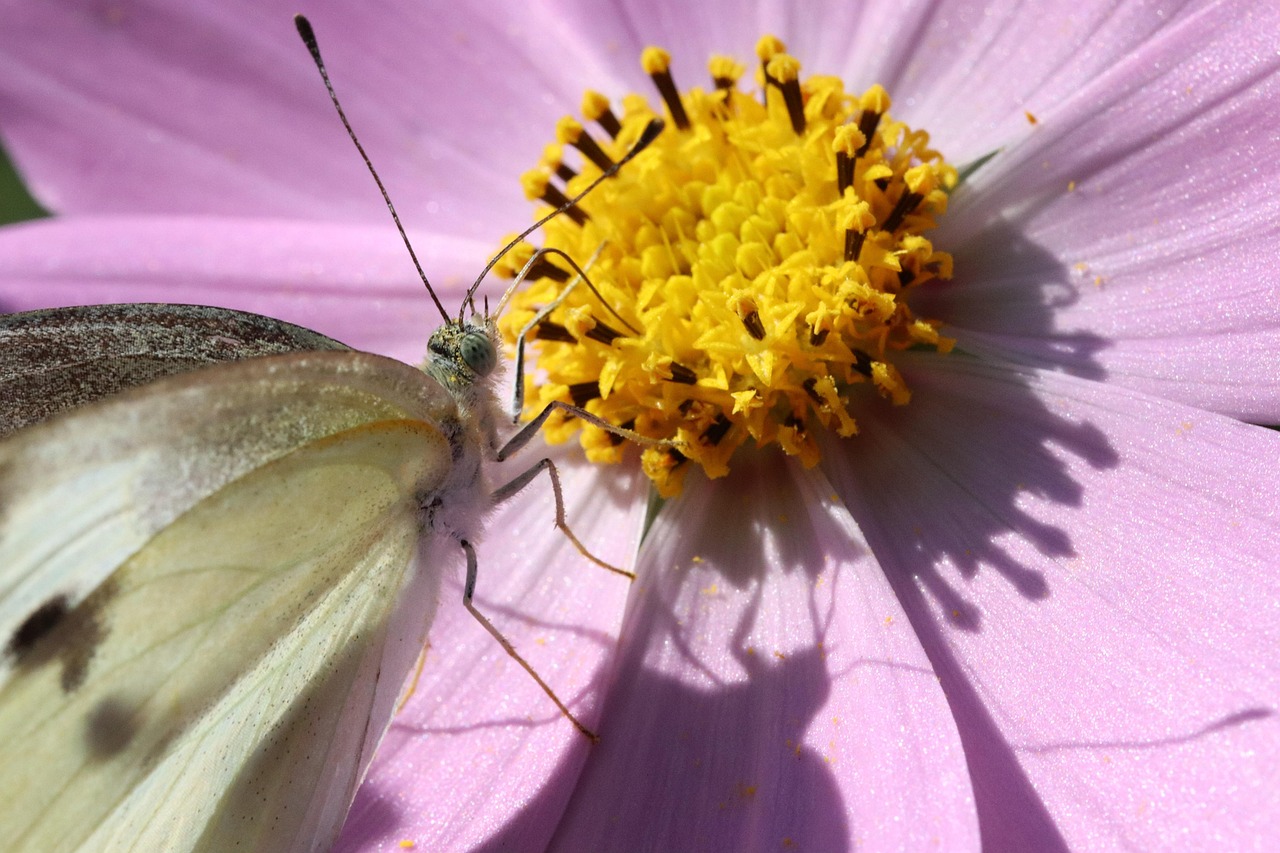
703, 734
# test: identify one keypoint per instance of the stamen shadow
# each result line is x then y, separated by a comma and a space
958, 494
1005, 281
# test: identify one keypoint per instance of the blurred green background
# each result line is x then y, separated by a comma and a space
16, 204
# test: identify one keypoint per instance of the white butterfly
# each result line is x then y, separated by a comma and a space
215, 582
214, 586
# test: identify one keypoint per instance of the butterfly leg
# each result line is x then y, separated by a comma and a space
524, 479
526, 433
467, 593
538, 258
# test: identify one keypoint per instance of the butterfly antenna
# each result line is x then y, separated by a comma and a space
309, 39
650, 133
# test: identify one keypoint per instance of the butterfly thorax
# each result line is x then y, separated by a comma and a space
462, 357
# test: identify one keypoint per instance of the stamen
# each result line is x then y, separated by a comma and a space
848, 142
785, 70
853, 245
717, 431
856, 217
863, 363
538, 187
657, 64
553, 161
906, 204
549, 331
569, 131
595, 107
614, 439
919, 182
582, 393
602, 333
725, 72
874, 103
766, 49
543, 268
682, 374
808, 385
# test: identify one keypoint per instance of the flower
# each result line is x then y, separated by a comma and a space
1034, 608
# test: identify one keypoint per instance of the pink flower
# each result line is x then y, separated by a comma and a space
1036, 608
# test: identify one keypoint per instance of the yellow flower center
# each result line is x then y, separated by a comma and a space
750, 268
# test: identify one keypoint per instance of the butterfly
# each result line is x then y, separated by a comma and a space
221, 543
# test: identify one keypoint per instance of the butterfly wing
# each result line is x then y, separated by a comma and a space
60, 358
211, 599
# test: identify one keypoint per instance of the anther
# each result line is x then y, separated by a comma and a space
848, 142
582, 393
549, 331
657, 64
569, 131
853, 241
602, 333
682, 374
719, 428
862, 362
809, 385
754, 327
537, 186
920, 181
553, 160
874, 103
595, 107
725, 73
855, 218
785, 71
543, 268
614, 438
766, 49
906, 204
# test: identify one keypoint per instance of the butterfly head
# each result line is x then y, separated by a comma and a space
463, 351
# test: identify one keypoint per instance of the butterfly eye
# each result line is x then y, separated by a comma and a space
478, 353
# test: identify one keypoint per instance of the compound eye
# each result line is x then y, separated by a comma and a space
478, 353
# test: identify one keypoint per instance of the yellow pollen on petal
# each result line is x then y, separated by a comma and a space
751, 271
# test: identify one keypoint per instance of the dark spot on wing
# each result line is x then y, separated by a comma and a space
56, 631
38, 625
109, 728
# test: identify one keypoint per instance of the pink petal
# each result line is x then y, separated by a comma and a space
216, 108
1155, 269
356, 284
967, 71
770, 694
479, 737
1092, 573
